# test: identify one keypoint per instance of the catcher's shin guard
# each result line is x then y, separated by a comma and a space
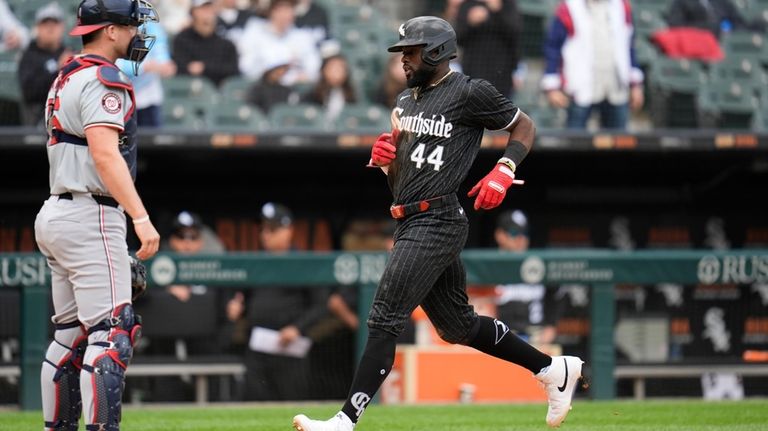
110, 348
60, 377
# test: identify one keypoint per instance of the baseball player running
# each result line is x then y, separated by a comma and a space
81, 228
438, 124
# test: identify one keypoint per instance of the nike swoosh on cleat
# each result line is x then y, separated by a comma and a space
565, 383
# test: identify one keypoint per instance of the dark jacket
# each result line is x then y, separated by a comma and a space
218, 54
37, 70
491, 49
719, 14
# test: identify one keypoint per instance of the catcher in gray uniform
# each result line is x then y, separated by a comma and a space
81, 228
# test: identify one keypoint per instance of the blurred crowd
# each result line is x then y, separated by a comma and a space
622, 62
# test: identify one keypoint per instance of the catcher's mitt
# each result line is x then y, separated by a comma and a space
138, 278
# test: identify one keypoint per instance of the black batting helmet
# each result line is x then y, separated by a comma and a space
95, 14
435, 34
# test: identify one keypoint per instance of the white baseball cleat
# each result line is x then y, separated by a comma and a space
560, 380
340, 422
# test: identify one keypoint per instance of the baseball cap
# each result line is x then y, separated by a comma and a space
198, 3
51, 11
186, 224
276, 215
514, 222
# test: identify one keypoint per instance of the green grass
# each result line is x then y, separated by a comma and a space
586, 416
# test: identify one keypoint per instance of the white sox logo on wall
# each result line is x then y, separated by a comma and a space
532, 270
163, 270
111, 103
360, 401
709, 269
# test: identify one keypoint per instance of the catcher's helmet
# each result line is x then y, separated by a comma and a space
435, 34
95, 14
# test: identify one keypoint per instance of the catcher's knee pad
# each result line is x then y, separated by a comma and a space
60, 377
110, 349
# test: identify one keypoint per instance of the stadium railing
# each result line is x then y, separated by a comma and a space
601, 269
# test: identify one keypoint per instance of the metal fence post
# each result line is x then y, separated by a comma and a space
34, 337
601, 342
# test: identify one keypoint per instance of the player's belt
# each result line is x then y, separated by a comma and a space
404, 210
101, 200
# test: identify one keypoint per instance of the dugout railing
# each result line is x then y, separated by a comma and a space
601, 269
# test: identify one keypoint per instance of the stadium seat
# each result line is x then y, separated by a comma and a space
745, 43
235, 89
363, 117
546, 117
683, 76
673, 85
727, 105
646, 52
9, 89
745, 70
303, 117
180, 116
239, 116
193, 88
659, 7
648, 22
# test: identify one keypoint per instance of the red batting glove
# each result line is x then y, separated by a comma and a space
493, 187
383, 152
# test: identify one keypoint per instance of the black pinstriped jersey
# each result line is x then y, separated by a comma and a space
440, 132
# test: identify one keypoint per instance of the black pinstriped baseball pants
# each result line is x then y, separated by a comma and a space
425, 269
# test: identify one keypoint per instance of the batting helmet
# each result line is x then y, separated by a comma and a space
435, 34
95, 14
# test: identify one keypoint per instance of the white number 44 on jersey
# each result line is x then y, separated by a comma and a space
435, 158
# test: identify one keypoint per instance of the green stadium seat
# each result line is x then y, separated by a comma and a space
239, 117
304, 117
540, 8
684, 76
745, 43
648, 22
728, 105
672, 88
546, 117
646, 52
659, 7
235, 89
193, 88
364, 117
178, 115
9, 89
198, 94
745, 70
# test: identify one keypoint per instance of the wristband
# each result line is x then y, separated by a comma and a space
506, 161
516, 152
141, 220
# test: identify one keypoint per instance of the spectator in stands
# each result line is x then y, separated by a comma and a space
488, 31
147, 85
40, 63
716, 16
278, 32
526, 308
289, 311
313, 17
199, 51
269, 90
334, 90
445, 9
591, 64
231, 20
13, 35
174, 15
392, 82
